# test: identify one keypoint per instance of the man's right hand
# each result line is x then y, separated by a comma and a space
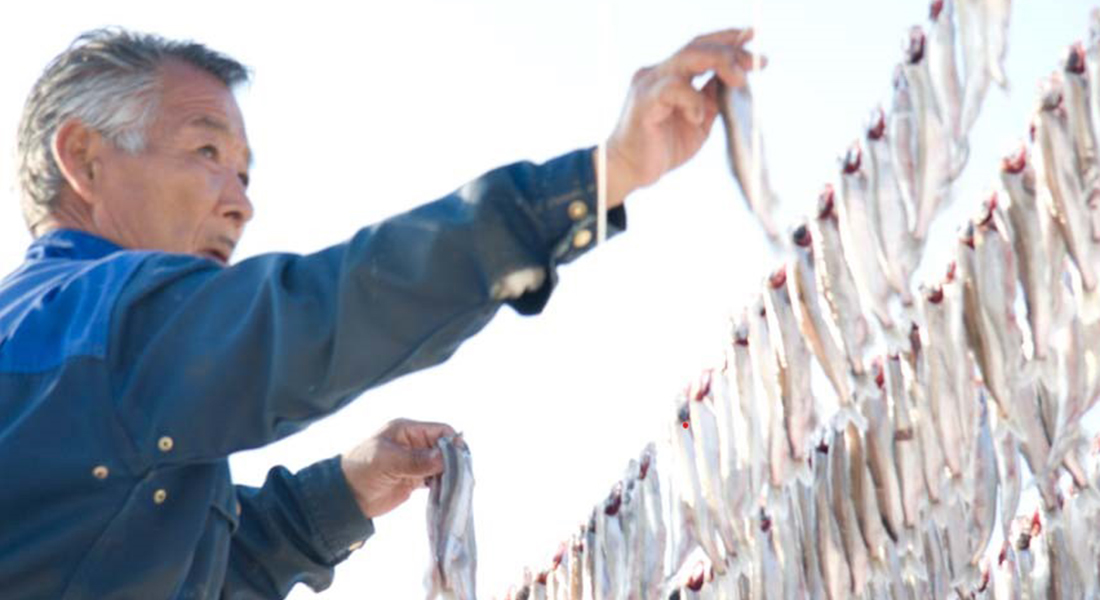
386, 468
666, 120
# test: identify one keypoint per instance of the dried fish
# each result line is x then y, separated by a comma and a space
453, 570
745, 151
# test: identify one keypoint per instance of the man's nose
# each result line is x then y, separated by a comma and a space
235, 204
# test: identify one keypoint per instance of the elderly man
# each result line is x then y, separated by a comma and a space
134, 359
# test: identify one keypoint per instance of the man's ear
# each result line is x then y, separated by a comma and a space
75, 149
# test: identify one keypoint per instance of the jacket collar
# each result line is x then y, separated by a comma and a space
71, 243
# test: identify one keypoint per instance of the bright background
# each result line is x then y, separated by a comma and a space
359, 112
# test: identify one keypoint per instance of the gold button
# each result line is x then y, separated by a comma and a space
238, 509
160, 496
578, 210
165, 444
355, 546
100, 472
582, 238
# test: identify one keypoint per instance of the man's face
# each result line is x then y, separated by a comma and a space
186, 192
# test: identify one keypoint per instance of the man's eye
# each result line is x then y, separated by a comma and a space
209, 152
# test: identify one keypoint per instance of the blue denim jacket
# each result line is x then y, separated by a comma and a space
127, 378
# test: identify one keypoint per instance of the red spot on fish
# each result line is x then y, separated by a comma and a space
685, 424
935, 9
765, 522
1016, 161
915, 50
741, 336
985, 579
988, 207
1004, 553
698, 575
778, 278
1075, 62
935, 295
852, 159
801, 237
559, 556
825, 202
894, 356
966, 235
876, 127
914, 337
541, 579
643, 468
701, 388
880, 374
952, 268
1036, 524
822, 447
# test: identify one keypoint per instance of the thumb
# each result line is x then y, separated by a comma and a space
417, 462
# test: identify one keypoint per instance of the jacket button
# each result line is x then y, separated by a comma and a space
238, 509
582, 238
165, 444
160, 496
355, 546
578, 210
100, 472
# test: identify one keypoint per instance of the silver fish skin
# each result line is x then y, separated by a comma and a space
906, 445
1071, 351
1067, 198
745, 151
982, 496
947, 377
1008, 474
688, 482
612, 545
973, 28
708, 460
931, 453
1030, 244
631, 524
863, 497
933, 151
453, 572
734, 439
788, 548
880, 456
898, 254
902, 138
946, 83
770, 406
1006, 585
654, 535
799, 411
855, 549
592, 569
771, 582
805, 517
576, 566
745, 384
835, 573
1082, 122
859, 239
836, 283
819, 334
998, 16
935, 563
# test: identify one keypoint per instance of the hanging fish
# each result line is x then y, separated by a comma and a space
745, 151
453, 571
898, 253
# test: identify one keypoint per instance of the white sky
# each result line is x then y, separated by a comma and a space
360, 112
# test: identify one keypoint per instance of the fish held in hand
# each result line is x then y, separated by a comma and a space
745, 151
451, 525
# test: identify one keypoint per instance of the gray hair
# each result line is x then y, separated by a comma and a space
108, 79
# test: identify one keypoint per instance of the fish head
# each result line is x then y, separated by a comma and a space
1015, 161
697, 577
984, 219
879, 371
852, 159
1050, 93
801, 236
741, 334
914, 338
934, 294
700, 389
952, 270
765, 521
914, 45
935, 9
1075, 59
966, 235
826, 202
614, 500
778, 278
1036, 524
876, 124
643, 466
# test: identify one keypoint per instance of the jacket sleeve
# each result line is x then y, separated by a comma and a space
295, 529
225, 359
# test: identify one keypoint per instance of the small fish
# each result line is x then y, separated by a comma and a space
692, 500
745, 151
946, 84
859, 239
948, 377
745, 384
906, 445
793, 357
819, 334
653, 536
973, 28
1008, 473
1031, 246
451, 525
902, 138
611, 560
843, 507
1081, 122
1067, 198
708, 459
880, 455
835, 573
998, 13
983, 494
898, 253
836, 283
933, 151
576, 566
931, 453
805, 518
770, 406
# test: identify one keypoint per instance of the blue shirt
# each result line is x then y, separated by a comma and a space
127, 378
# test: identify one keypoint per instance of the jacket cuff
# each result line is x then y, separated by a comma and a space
567, 206
331, 507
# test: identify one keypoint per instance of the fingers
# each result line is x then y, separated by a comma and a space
416, 434
415, 463
721, 52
